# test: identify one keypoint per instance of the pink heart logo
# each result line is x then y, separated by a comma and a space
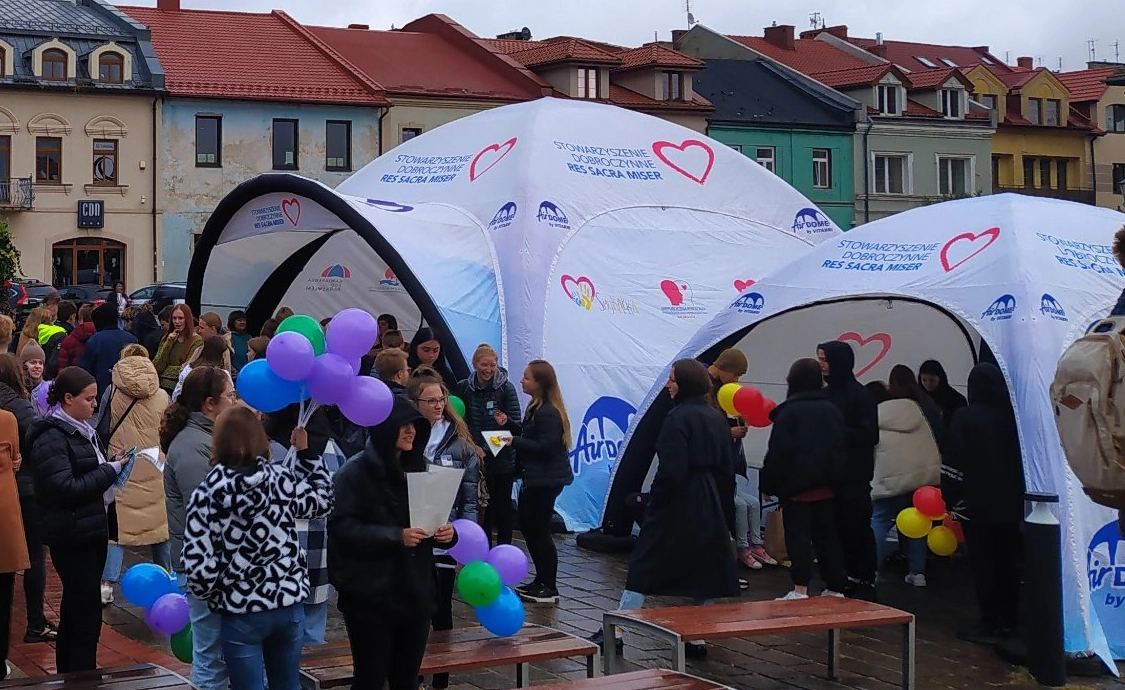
292, 210
687, 158
741, 285
968, 240
580, 290
882, 339
498, 152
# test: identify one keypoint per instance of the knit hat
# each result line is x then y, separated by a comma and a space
32, 351
732, 361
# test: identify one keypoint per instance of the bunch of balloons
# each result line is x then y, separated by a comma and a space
303, 361
746, 402
917, 522
166, 608
486, 578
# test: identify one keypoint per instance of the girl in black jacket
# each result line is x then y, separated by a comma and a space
73, 482
542, 450
425, 350
382, 567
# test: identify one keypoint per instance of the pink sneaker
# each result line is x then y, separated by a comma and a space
746, 558
760, 554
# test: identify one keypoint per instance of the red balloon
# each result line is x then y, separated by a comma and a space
929, 502
762, 419
747, 400
955, 527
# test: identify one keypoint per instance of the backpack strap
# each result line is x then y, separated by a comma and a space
113, 430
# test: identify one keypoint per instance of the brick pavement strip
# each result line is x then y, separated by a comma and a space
591, 583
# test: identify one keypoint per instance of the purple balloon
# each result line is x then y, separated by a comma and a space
510, 562
169, 614
356, 365
351, 333
290, 355
472, 543
368, 403
330, 380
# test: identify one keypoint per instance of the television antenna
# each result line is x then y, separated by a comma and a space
690, 17
1116, 51
816, 20
1091, 47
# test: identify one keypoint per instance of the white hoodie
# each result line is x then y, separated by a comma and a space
907, 456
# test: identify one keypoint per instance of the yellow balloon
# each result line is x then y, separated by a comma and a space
913, 524
942, 541
726, 398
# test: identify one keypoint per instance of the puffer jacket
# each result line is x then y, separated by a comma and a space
907, 456
73, 345
142, 515
188, 462
241, 551
481, 398
542, 449
452, 451
13, 548
24, 411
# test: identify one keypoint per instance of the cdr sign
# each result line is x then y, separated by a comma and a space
91, 213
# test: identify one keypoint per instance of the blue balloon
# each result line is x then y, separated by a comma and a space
144, 583
266, 391
503, 617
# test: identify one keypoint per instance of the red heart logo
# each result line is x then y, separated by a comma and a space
683, 155
883, 339
741, 285
992, 234
500, 150
580, 290
292, 210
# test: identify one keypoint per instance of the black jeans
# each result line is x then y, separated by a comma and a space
811, 526
498, 515
537, 507
35, 577
853, 528
80, 615
994, 554
443, 618
385, 650
7, 587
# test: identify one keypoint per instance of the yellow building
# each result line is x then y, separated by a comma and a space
1099, 94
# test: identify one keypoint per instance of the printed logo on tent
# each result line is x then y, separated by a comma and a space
292, 210
681, 301
504, 216
1001, 309
965, 246
743, 285
276, 215
691, 158
392, 206
579, 290
811, 221
552, 215
488, 157
331, 279
336, 271
1085, 256
389, 278
1049, 306
1105, 566
602, 432
388, 283
750, 303
870, 350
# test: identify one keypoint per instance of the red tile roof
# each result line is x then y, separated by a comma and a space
1086, 85
905, 54
1018, 78
267, 57
656, 55
933, 78
562, 49
857, 76
808, 56
627, 98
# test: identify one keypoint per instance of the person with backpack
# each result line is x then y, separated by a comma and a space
104, 347
70, 351
55, 334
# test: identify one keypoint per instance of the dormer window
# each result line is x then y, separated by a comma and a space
947, 62
3, 63
888, 99
1051, 112
54, 65
989, 100
588, 82
673, 86
927, 62
111, 68
951, 103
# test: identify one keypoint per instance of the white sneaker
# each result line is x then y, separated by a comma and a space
792, 596
107, 594
916, 579
830, 593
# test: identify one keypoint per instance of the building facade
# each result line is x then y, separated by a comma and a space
1098, 93
79, 120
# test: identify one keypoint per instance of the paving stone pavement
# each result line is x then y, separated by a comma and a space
591, 583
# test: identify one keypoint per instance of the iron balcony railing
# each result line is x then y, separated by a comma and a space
16, 193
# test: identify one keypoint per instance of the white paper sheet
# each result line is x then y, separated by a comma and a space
431, 495
153, 456
496, 440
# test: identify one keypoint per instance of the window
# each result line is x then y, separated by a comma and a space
587, 82
54, 65
951, 103
111, 68
996, 171
1033, 106
105, 161
954, 175
208, 141
1060, 173
673, 86
986, 60
736, 147
1028, 172
1115, 118
947, 62
3, 57
1051, 112
822, 168
409, 133
766, 157
338, 145
285, 145
989, 100
48, 160
925, 61
1045, 173
888, 99
1119, 178
890, 174
5, 168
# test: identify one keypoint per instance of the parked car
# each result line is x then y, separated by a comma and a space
25, 295
160, 295
87, 294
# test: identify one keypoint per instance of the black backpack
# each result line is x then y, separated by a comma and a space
51, 350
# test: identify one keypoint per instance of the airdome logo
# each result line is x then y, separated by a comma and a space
504, 216
602, 432
1105, 566
811, 221
1049, 306
552, 215
1001, 309
750, 303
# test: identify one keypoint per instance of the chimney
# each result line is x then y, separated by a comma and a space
1025, 62
878, 50
678, 34
364, 27
840, 32
780, 36
878, 38
168, 5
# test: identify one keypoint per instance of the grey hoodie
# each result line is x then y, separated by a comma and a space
188, 462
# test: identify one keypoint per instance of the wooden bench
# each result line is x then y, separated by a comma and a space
139, 677
680, 624
457, 651
649, 679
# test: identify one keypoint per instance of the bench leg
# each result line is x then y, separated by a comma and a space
522, 675
833, 654
908, 656
680, 656
609, 653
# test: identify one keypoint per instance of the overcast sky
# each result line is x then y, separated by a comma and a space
1043, 30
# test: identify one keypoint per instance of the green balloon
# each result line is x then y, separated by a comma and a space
306, 326
479, 584
458, 405
181, 644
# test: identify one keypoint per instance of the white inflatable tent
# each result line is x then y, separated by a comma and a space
589, 235
1026, 275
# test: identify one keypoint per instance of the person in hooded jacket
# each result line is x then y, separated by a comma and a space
933, 379
147, 330
983, 485
806, 455
491, 404
74, 344
13, 550
104, 348
852, 496
380, 565
241, 550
